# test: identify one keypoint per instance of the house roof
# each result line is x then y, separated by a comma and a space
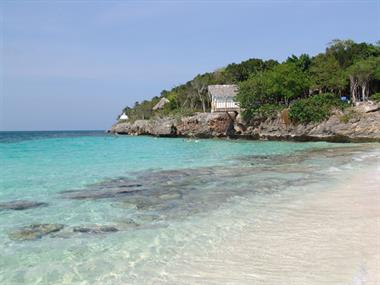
223, 90
160, 104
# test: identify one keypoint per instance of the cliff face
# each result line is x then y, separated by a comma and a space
203, 125
358, 124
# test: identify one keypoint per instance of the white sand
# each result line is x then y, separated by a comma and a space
324, 237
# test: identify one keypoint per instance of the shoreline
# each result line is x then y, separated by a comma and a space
288, 138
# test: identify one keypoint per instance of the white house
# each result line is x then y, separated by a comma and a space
222, 98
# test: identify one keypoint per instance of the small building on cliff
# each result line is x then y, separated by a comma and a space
123, 117
223, 98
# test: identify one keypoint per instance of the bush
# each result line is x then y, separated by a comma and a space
182, 112
314, 109
376, 97
268, 110
348, 116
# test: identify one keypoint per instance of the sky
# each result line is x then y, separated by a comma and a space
74, 65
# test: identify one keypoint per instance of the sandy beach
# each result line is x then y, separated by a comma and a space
327, 237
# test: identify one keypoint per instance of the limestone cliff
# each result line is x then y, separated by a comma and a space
356, 124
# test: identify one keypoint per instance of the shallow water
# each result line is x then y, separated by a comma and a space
185, 211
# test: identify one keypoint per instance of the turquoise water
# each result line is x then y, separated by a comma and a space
164, 198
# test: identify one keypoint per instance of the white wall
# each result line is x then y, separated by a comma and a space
221, 104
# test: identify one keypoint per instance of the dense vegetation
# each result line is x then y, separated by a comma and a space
314, 108
309, 86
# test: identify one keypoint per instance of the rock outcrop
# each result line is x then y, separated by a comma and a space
356, 124
203, 125
95, 229
156, 127
35, 231
21, 205
206, 125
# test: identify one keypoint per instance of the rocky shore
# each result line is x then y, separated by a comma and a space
355, 124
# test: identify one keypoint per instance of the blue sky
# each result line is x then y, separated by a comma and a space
75, 64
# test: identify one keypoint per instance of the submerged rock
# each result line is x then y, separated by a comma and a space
95, 229
162, 184
90, 230
99, 194
64, 234
107, 189
21, 205
144, 218
35, 231
150, 204
170, 196
136, 202
127, 224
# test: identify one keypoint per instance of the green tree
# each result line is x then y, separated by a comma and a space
287, 82
315, 108
254, 93
242, 71
327, 75
361, 73
347, 52
302, 62
200, 84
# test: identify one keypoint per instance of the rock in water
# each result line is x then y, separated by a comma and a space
35, 231
128, 224
95, 229
21, 205
170, 196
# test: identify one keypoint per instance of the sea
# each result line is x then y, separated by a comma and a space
86, 207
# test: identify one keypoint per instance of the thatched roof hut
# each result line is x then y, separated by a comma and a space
222, 98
